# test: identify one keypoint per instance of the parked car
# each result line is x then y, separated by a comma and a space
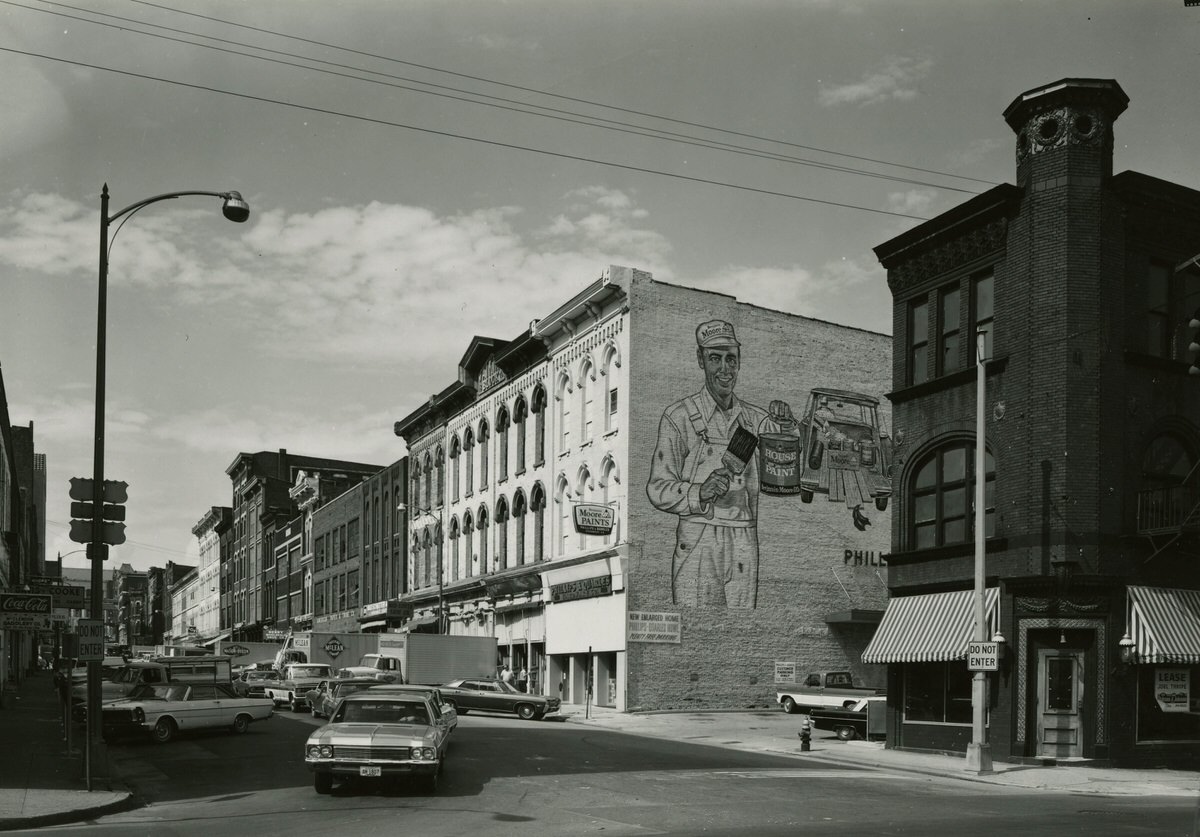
447, 710
374, 734
466, 694
324, 699
252, 683
165, 709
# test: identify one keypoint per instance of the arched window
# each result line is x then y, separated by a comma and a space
518, 511
468, 536
562, 496
587, 393
609, 478
413, 577
454, 552
537, 505
538, 408
942, 495
427, 564
562, 397
438, 552
501, 534
502, 424
439, 462
520, 410
468, 456
483, 539
454, 451
428, 482
612, 362
484, 436
415, 492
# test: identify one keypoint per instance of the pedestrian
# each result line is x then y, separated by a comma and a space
506, 674
523, 680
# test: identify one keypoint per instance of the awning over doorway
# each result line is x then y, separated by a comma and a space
930, 628
220, 638
419, 622
1164, 624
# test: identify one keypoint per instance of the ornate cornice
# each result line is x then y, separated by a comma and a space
971, 245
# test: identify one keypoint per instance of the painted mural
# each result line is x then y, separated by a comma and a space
716, 454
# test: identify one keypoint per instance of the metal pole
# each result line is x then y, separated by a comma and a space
979, 753
95, 749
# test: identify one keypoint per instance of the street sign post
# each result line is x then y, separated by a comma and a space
983, 656
91, 639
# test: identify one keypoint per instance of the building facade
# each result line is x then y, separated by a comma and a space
618, 495
203, 594
1082, 283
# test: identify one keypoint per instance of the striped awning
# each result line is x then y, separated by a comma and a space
1164, 624
930, 628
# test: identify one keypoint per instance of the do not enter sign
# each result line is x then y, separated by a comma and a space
983, 656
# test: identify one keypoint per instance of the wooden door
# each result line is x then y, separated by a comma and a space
1060, 702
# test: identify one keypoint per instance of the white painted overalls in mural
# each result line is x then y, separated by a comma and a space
715, 561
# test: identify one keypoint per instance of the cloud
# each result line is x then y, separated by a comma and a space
897, 80
810, 292
912, 202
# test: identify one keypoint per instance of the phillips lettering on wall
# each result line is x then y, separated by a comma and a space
864, 558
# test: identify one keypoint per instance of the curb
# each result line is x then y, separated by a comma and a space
129, 803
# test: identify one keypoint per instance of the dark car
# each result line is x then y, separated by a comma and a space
323, 700
496, 696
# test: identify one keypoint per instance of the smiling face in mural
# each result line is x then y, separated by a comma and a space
720, 365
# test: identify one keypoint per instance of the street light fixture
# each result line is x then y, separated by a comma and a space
236, 210
441, 605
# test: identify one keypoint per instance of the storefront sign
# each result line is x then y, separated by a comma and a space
387, 607
25, 612
594, 519
64, 595
785, 672
653, 627
1172, 689
583, 588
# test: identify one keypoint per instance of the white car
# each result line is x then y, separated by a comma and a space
379, 734
165, 709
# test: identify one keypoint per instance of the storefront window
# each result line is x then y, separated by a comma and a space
1168, 703
937, 693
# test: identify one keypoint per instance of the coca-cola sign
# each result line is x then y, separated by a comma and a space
24, 603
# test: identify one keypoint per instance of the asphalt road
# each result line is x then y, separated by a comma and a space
557, 779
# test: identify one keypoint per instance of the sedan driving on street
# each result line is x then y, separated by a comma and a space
496, 696
375, 735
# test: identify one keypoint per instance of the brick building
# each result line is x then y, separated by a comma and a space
1083, 283
556, 485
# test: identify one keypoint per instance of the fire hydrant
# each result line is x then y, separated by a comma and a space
805, 734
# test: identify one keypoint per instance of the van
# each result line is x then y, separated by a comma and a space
208, 669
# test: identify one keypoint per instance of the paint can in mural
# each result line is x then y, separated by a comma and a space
779, 455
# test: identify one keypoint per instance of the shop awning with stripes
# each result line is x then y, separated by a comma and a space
1164, 624
930, 628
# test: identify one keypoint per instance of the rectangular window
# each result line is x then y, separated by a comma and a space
1157, 721
949, 333
937, 693
983, 311
1158, 310
918, 342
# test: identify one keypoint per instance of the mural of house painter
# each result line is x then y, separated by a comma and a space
705, 471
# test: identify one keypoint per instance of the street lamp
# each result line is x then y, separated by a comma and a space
441, 605
236, 210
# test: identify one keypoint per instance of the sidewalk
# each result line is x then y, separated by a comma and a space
41, 783
775, 732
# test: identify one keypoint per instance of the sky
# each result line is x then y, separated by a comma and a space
423, 171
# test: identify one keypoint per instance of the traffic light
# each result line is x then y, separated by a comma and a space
111, 497
1194, 343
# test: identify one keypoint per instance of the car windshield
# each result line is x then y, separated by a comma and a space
262, 675
310, 671
382, 712
508, 688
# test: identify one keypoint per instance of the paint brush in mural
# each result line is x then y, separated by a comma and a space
741, 447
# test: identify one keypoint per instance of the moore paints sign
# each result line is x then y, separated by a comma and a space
25, 612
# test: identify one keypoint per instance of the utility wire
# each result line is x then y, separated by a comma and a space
486, 80
571, 116
467, 137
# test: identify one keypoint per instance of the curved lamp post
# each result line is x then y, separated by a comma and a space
236, 210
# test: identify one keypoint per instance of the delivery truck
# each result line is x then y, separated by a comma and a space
426, 659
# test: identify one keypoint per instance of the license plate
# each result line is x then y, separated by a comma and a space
369, 771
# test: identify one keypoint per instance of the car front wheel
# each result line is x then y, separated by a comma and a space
846, 733
322, 782
789, 705
164, 730
241, 724
526, 712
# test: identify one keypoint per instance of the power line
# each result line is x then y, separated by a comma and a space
495, 143
486, 80
571, 116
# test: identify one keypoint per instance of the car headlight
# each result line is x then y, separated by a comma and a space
427, 753
319, 751
139, 714
326, 751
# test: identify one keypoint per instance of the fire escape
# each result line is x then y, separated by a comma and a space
1168, 515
